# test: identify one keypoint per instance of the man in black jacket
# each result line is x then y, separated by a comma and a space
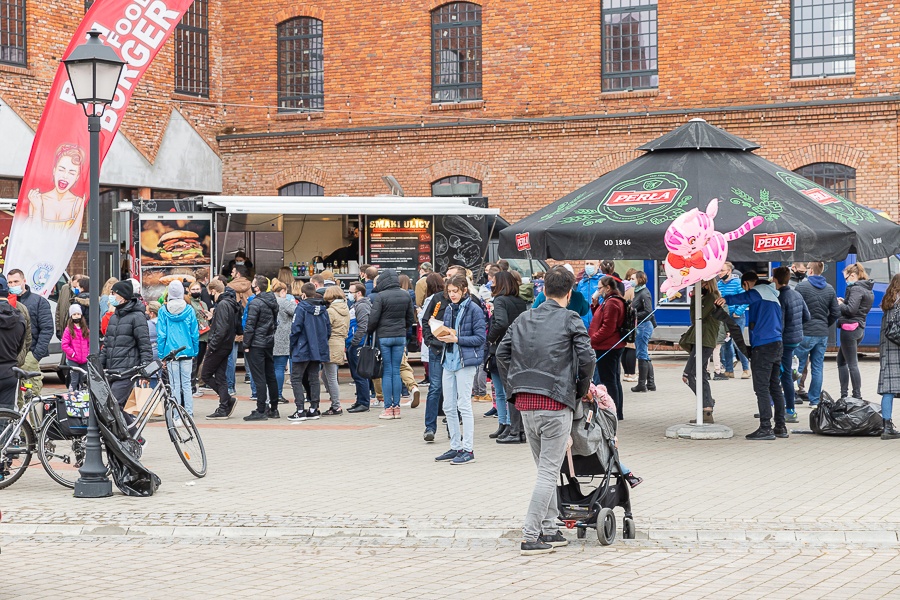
222, 330
12, 346
127, 341
259, 343
41, 325
546, 387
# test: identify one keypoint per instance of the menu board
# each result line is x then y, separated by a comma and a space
173, 246
401, 243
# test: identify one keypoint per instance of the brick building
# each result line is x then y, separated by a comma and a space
529, 100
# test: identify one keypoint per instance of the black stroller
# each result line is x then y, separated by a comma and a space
594, 455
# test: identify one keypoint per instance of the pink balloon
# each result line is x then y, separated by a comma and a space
696, 250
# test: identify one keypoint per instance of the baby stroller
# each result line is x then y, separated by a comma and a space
594, 455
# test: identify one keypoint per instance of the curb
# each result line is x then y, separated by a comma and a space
654, 535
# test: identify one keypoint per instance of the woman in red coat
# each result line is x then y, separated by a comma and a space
607, 341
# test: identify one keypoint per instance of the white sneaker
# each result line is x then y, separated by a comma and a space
376, 404
197, 394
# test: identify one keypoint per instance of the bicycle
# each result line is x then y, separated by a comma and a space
17, 437
181, 427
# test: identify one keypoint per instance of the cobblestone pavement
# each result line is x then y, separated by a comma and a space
362, 503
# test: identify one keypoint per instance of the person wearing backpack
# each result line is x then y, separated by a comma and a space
606, 339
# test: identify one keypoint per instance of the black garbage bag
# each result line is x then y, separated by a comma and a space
847, 416
122, 452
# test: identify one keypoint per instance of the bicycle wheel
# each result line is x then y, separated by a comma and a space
184, 434
15, 450
60, 457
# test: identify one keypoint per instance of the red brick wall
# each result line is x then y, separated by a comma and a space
539, 60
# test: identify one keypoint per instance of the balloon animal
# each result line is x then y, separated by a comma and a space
696, 250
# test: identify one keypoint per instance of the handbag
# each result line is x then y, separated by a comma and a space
72, 414
370, 363
892, 331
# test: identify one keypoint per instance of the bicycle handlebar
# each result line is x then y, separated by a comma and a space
171, 355
138, 371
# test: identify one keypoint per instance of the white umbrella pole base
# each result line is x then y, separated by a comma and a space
690, 431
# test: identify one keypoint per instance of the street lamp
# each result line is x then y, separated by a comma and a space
94, 71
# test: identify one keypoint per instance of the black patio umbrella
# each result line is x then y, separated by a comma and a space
625, 213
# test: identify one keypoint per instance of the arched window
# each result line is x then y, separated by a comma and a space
301, 188
301, 72
12, 32
456, 185
838, 178
822, 38
456, 52
629, 45
192, 51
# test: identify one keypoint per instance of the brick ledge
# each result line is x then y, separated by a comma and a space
819, 81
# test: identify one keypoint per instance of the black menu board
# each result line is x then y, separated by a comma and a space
401, 243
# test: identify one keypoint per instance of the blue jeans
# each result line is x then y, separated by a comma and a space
730, 349
502, 410
362, 385
458, 398
392, 354
887, 406
812, 348
232, 365
787, 375
435, 389
280, 363
642, 340
180, 381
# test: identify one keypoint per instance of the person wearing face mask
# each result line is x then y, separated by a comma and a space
852, 326
607, 341
41, 324
127, 342
67, 295
362, 306
201, 311
176, 327
241, 260
729, 283
798, 274
75, 345
589, 281
226, 319
15, 339
282, 349
104, 295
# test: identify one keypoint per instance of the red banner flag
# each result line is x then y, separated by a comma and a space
50, 210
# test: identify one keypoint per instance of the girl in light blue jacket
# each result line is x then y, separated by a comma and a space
177, 326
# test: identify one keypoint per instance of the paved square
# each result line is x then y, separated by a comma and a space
356, 507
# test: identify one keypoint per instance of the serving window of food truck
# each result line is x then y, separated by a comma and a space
309, 234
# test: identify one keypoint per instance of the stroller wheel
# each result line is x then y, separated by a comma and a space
606, 526
581, 532
628, 528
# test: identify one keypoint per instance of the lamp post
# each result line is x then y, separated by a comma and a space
94, 71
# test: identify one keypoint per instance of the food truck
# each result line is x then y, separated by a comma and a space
172, 239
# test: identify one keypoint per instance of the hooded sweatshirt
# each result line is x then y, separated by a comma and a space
310, 331
175, 326
765, 321
822, 303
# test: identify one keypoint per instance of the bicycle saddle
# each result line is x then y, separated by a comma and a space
25, 374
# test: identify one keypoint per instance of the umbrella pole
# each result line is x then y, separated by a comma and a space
698, 352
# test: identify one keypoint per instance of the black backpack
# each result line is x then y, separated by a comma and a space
628, 328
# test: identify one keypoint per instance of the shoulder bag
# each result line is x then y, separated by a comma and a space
370, 364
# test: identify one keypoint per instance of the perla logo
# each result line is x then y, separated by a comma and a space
653, 188
40, 275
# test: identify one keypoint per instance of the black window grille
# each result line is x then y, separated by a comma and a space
629, 45
456, 185
12, 32
301, 188
838, 178
192, 51
87, 4
822, 38
301, 72
456, 52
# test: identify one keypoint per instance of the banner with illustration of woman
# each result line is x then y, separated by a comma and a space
51, 205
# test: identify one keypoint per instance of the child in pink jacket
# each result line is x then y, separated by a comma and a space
75, 345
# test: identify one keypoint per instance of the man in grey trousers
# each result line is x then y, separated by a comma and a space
546, 363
